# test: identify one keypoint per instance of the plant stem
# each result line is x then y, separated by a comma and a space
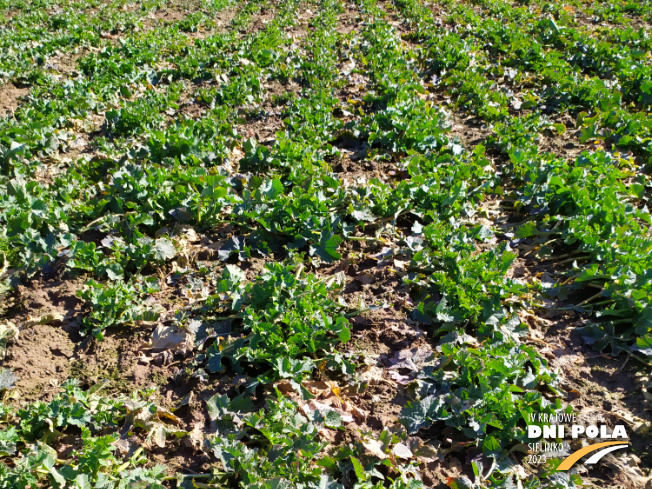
586, 301
569, 259
366, 238
187, 476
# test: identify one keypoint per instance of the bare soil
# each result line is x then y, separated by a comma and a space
10, 98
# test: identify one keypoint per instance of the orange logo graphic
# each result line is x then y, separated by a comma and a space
607, 447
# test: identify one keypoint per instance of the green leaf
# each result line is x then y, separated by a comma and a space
332, 419
358, 468
526, 230
216, 405
644, 345
491, 445
164, 250
234, 275
236, 244
215, 362
561, 128
124, 91
114, 271
83, 481
419, 414
461, 482
272, 189
327, 249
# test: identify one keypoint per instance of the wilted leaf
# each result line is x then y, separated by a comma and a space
7, 379
166, 337
413, 359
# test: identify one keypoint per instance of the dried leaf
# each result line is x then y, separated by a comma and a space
413, 359
45, 319
365, 278
7, 379
402, 451
166, 337
375, 448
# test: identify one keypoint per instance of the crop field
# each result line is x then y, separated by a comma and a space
323, 244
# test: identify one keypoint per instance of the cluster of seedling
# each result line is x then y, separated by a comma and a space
116, 215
